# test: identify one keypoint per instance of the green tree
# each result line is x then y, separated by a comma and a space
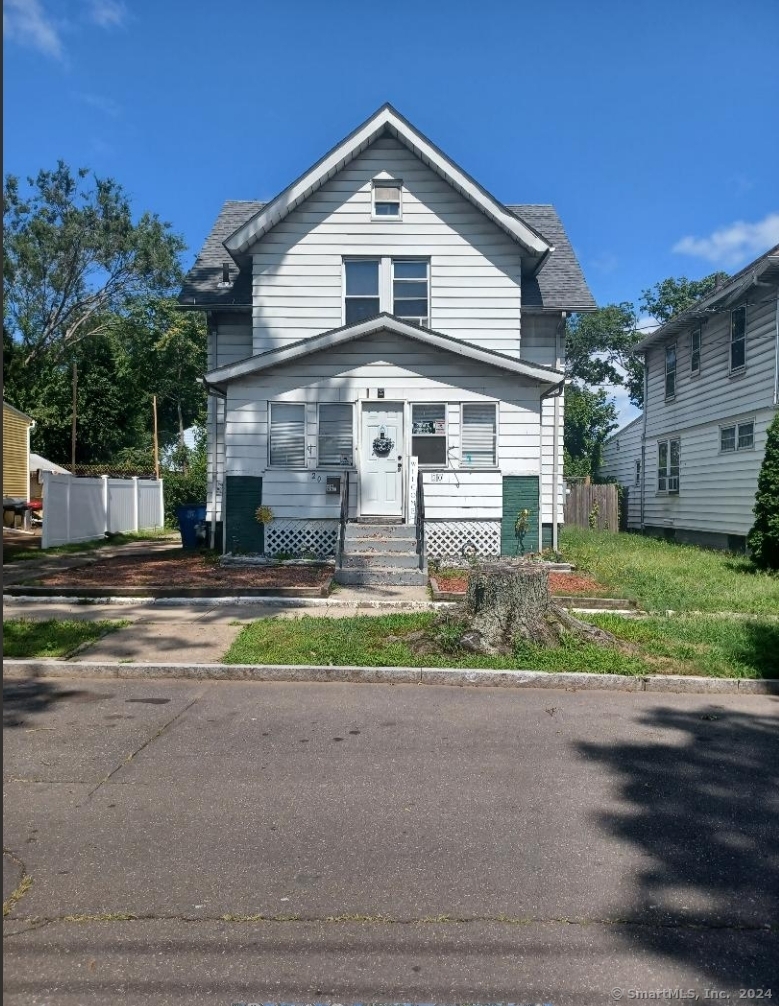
763, 539
671, 296
73, 257
590, 416
600, 349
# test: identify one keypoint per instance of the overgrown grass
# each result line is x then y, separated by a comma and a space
52, 638
13, 553
663, 576
699, 644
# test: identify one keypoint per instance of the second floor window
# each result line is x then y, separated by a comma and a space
738, 338
361, 290
670, 371
637, 478
409, 290
695, 350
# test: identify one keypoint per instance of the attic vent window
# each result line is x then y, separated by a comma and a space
225, 281
386, 197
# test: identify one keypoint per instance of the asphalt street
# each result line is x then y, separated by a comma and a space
188, 842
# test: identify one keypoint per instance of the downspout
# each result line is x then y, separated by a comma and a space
556, 437
556, 390
214, 456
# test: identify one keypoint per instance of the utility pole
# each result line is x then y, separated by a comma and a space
156, 441
73, 422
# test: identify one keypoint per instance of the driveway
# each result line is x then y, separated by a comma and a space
234, 842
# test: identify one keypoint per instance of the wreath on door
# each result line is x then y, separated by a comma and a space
382, 445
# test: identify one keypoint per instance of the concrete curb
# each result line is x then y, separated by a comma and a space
184, 593
334, 601
462, 677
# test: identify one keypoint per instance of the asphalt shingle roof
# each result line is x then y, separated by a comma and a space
559, 285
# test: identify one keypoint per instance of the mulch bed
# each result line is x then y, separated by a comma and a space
567, 584
185, 570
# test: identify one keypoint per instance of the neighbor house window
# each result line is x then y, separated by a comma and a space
410, 290
335, 435
387, 197
361, 289
668, 454
428, 434
287, 435
637, 480
670, 371
478, 435
738, 437
738, 338
695, 350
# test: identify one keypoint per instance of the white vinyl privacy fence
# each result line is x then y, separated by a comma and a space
84, 509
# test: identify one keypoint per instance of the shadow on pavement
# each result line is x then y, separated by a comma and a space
26, 698
702, 804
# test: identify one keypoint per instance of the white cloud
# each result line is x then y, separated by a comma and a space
733, 245
26, 22
107, 13
626, 411
646, 324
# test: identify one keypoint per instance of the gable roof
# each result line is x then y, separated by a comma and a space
558, 285
385, 121
381, 323
764, 268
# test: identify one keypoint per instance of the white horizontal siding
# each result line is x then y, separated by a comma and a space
620, 454
474, 273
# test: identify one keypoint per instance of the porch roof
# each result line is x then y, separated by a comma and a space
381, 323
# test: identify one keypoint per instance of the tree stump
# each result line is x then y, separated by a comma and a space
507, 602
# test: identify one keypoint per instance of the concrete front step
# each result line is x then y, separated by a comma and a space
380, 545
381, 576
381, 532
368, 560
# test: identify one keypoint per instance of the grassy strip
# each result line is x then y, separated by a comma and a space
51, 638
661, 575
678, 645
13, 553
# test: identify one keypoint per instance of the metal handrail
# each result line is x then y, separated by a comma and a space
420, 522
343, 519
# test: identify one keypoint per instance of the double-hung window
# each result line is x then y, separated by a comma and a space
361, 284
668, 456
479, 428
387, 197
738, 437
695, 350
428, 434
335, 438
287, 435
670, 372
410, 290
738, 338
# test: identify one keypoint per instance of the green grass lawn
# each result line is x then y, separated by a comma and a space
15, 553
53, 638
677, 645
662, 576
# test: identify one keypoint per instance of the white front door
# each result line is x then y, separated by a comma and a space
381, 468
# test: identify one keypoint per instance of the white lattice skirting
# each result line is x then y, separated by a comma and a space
301, 538
457, 538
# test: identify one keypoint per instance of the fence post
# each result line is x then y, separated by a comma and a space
162, 504
136, 503
106, 504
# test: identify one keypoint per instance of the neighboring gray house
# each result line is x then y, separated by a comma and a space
691, 462
385, 315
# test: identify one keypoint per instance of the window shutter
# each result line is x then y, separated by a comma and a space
478, 436
288, 435
335, 435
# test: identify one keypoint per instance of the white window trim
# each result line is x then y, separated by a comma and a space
323, 464
667, 491
386, 272
288, 468
695, 371
387, 183
408, 258
740, 369
481, 468
666, 396
359, 258
427, 468
736, 428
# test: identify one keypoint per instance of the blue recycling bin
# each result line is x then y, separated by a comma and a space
189, 516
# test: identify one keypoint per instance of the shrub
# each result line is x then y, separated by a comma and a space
763, 539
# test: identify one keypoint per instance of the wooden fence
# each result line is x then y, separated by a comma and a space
590, 506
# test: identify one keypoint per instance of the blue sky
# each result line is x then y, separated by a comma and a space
652, 126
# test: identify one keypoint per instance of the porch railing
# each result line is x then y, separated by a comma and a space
420, 522
343, 519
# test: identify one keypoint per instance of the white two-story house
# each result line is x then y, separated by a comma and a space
385, 316
690, 462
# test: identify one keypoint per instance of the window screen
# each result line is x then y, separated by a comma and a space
727, 438
288, 435
478, 436
386, 199
410, 290
746, 436
335, 435
362, 290
428, 434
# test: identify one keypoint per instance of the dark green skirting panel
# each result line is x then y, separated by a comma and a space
243, 496
520, 492
546, 536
